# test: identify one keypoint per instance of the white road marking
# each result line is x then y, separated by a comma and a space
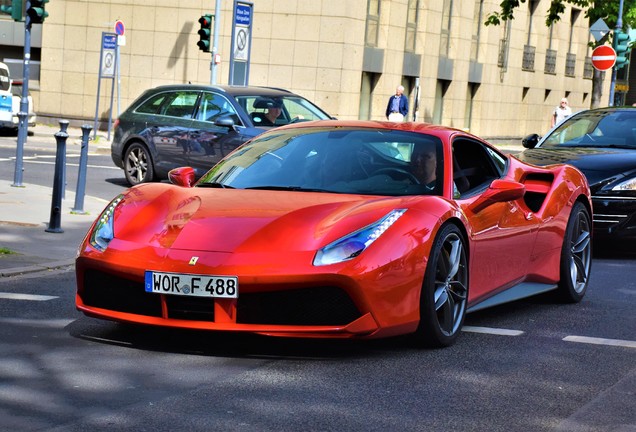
72, 164
601, 341
493, 331
40, 323
30, 297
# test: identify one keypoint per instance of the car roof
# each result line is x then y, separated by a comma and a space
231, 90
429, 128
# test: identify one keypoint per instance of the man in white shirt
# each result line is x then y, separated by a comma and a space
561, 112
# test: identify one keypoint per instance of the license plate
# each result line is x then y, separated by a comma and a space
195, 285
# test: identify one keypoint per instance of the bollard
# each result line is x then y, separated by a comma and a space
55, 220
81, 173
63, 127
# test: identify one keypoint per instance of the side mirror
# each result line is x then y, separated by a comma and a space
530, 141
224, 121
183, 176
498, 191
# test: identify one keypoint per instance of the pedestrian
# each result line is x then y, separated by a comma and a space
561, 112
398, 106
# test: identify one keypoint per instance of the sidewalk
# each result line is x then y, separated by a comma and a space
25, 213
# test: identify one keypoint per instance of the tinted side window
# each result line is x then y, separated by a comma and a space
182, 105
213, 106
152, 105
5, 82
473, 165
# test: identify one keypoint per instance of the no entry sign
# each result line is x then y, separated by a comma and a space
603, 57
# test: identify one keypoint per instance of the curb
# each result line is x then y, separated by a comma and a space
17, 271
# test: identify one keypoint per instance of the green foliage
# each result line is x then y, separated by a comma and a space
608, 10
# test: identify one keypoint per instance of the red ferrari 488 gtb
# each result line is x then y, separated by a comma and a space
340, 229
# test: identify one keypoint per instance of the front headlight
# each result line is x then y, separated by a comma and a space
352, 245
627, 185
104, 230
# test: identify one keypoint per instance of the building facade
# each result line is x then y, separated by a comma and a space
347, 56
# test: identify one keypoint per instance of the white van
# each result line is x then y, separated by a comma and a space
10, 95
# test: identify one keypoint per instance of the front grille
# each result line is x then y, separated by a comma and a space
327, 306
308, 306
107, 291
190, 308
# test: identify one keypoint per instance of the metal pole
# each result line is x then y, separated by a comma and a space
619, 26
81, 175
55, 220
23, 114
215, 43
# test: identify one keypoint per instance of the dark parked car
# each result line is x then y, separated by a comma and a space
602, 144
195, 125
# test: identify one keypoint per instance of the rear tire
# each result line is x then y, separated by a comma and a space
576, 255
138, 166
444, 291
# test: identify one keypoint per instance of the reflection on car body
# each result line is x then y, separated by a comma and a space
602, 144
338, 229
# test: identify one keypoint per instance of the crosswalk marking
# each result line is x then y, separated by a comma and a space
601, 341
493, 331
30, 297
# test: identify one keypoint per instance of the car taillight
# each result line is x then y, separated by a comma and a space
116, 124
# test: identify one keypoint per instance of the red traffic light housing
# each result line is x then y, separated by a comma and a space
205, 32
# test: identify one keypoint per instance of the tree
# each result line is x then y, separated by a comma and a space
608, 10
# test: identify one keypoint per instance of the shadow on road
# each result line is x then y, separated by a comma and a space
216, 344
615, 250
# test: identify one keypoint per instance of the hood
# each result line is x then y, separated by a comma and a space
235, 220
598, 164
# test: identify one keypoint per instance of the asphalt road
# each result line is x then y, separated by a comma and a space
103, 179
529, 366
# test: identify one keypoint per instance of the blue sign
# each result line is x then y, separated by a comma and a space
243, 15
109, 41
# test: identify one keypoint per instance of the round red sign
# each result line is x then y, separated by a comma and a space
603, 57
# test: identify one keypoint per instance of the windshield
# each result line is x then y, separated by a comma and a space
278, 111
340, 160
5, 81
598, 128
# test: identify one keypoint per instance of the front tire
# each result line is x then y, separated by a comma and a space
444, 291
576, 255
138, 166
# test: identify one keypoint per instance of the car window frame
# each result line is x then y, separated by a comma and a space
235, 115
496, 170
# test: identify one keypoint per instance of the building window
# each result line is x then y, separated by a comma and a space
373, 23
444, 45
440, 92
474, 46
470, 103
570, 60
411, 25
529, 49
367, 86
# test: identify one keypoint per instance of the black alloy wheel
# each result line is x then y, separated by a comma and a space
576, 255
138, 164
445, 290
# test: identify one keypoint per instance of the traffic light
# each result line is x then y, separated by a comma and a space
205, 32
36, 12
14, 9
621, 46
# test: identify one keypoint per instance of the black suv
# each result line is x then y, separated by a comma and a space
196, 125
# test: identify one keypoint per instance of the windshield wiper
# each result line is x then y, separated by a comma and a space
288, 188
215, 185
